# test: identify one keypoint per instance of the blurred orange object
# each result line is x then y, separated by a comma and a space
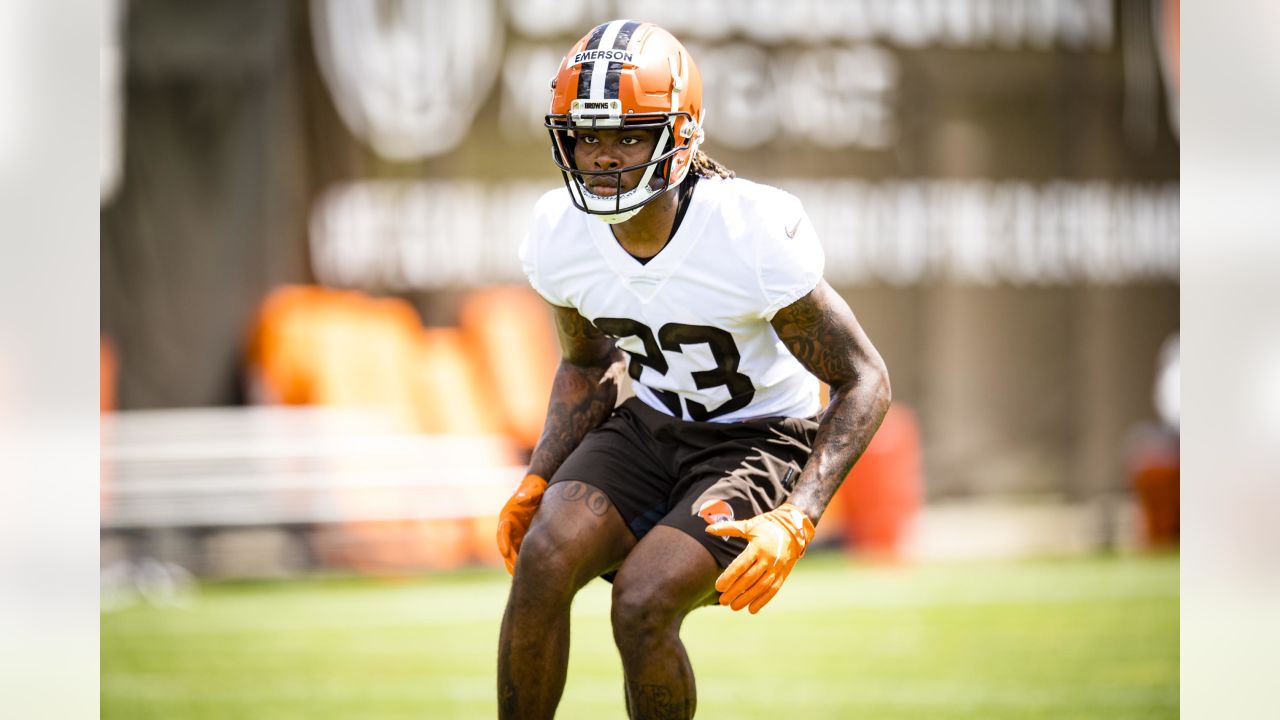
884, 491
512, 334
448, 387
1157, 487
480, 545
108, 371
363, 353
1154, 470
319, 346
393, 548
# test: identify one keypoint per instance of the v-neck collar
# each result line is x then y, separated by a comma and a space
645, 280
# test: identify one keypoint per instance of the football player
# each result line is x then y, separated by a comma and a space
707, 290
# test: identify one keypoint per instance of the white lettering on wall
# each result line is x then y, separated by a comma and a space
430, 235
1010, 24
833, 97
408, 77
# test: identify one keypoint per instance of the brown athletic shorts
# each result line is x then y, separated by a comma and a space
660, 470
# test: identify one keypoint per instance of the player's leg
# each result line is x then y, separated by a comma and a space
667, 575
729, 471
575, 536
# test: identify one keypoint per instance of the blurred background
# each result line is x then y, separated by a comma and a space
319, 356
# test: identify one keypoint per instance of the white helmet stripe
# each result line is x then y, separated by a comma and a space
601, 68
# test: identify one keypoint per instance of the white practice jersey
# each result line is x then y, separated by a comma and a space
694, 320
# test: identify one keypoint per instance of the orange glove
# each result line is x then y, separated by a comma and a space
513, 521
776, 540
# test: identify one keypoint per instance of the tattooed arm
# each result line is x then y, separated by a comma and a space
584, 391
821, 331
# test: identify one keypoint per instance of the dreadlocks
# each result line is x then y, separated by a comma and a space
706, 167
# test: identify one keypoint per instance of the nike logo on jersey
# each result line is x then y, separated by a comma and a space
791, 231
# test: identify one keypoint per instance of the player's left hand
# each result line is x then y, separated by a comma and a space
775, 541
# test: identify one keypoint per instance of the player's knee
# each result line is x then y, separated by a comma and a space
545, 559
545, 553
641, 610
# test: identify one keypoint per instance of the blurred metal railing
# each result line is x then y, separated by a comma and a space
287, 465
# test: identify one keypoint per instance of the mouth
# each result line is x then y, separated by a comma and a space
603, 188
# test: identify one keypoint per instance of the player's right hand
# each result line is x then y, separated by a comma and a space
513, 521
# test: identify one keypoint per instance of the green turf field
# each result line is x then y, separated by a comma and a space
1063, 639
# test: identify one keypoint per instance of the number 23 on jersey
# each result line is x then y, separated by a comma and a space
671, 338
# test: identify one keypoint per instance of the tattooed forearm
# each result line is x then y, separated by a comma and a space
581, 399
581, 342
583, 393
821, 331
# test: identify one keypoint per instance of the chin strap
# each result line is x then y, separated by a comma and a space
620, 217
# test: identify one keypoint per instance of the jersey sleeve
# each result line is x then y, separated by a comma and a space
789, 257
532, 250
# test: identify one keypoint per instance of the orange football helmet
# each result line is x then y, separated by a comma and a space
630, 74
